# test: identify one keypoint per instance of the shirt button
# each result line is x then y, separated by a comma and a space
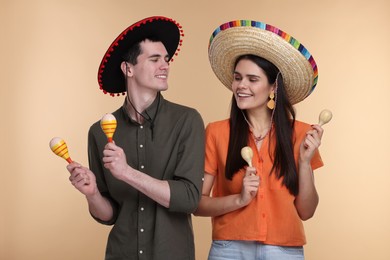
142, 166
202, 179
142, 209
140, 251
141, 126
141, 145
142, 230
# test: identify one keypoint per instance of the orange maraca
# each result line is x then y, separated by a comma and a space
59, 147
108, 125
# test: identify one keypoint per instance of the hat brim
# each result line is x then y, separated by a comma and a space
110, 76
295, 63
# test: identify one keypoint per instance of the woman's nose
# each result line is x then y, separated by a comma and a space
242, 84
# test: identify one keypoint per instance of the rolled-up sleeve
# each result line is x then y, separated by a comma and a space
186, 185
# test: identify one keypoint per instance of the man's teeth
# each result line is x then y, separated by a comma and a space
161, 76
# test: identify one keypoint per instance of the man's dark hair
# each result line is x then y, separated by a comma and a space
135, 50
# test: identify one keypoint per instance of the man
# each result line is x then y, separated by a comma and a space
149, 180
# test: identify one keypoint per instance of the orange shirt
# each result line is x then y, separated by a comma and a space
271, 217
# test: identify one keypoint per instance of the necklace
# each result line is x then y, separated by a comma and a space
256, 138
259, 138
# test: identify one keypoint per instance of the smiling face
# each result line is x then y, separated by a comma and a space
250, 85
151, 71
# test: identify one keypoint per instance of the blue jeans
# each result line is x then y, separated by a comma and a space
251, 250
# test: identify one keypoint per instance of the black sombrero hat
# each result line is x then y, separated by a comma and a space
110, 76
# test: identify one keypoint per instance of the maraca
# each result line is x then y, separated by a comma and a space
325, 117
59, 147
108, 124
247, 155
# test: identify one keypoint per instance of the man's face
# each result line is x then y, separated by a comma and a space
151, 70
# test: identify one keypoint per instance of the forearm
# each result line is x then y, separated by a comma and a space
212, 207
100, 207
157, 190
307, 200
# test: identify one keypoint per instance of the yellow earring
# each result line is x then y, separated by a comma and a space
271, 102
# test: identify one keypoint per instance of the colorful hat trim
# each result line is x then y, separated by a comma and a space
259, 39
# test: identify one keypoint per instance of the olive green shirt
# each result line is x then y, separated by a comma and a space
168, 146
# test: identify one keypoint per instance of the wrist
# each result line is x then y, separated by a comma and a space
240, 202
93, 196
304, 163
125, 174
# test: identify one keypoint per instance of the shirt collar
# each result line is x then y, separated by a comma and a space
149, 114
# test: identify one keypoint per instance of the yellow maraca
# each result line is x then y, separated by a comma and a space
325, 117
247, 155
59, 147
108, 125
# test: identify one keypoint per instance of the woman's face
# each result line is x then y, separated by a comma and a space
250, 85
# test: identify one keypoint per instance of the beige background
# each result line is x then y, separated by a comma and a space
49, 54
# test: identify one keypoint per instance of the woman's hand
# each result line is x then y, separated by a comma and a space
311, 143
250, 185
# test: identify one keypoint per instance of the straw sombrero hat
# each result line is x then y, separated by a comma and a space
165, 29
236, 38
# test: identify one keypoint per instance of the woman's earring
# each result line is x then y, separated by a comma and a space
271, 102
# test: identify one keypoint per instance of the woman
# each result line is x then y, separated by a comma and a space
258, 211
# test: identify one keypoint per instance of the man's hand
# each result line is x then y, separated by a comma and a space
82, 179
115, 160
